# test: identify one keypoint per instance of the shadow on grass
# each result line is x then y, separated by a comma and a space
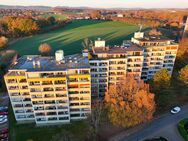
29, 131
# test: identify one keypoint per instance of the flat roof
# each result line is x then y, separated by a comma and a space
75, 61
117, 50
153, 39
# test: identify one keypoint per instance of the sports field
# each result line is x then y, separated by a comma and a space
71, 36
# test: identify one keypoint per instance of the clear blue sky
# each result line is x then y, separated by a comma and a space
102, 3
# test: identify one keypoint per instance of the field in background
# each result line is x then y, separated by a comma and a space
57, 16
70, 37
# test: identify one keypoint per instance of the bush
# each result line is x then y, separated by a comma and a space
44, 48
182, 130
3, 41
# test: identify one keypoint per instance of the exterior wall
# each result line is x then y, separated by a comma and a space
50, 97
99, 76
158, 57
99, 43
110, 71
20, 98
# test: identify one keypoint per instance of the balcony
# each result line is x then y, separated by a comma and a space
39, 114
47, 83
50, 108
35, 90
49, 102
51, 113
11, 81
60, 89
73, 92
61, 95
62, 108
26, 99
23, 81
48, 89
57, 82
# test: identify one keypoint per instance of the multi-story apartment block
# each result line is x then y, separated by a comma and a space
48, 90
109, 64
158, 53
142, 56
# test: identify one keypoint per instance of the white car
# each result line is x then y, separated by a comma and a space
3, 116
175, 110
3, 121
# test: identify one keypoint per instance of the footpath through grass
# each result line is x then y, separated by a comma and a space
30, 132
70, 37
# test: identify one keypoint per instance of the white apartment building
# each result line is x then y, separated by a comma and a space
109, 64
142, 56
48, 90
158, 53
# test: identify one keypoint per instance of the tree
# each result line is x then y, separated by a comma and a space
44, 48
3, 41
183, 75
161, 79
129, 102
51, 20
154, 32
95, 120
87, 44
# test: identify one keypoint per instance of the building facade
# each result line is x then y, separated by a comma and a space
45, 90
48, 90
141, 57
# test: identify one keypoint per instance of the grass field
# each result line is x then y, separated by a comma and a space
71, 36
57, 16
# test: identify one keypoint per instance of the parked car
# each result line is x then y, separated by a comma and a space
3, 119
3, 113
175, 110
3, 109
156, 139
5, 139
4, 130
4, 136
3, 116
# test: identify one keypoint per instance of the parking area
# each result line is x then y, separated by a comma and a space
4, 102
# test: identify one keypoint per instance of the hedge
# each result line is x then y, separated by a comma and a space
182, 130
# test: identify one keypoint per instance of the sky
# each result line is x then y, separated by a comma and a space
102, 3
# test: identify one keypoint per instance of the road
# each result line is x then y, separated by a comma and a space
165, 125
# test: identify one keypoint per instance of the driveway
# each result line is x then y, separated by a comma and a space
165, 125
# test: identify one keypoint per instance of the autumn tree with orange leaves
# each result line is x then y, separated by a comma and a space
129, 102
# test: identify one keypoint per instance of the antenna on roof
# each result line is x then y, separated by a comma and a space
140, 27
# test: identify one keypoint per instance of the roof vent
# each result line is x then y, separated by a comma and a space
29, 58
59, 55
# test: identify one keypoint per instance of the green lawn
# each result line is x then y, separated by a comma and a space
30, 132
71, 36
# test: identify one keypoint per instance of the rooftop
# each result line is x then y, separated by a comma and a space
153, 39
117, 49
49, 63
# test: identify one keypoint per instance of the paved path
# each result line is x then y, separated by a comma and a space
165, 125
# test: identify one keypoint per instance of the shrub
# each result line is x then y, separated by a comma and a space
182, 130
3, 41
44, 48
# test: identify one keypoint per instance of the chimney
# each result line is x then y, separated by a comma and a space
34, 64
38, 63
